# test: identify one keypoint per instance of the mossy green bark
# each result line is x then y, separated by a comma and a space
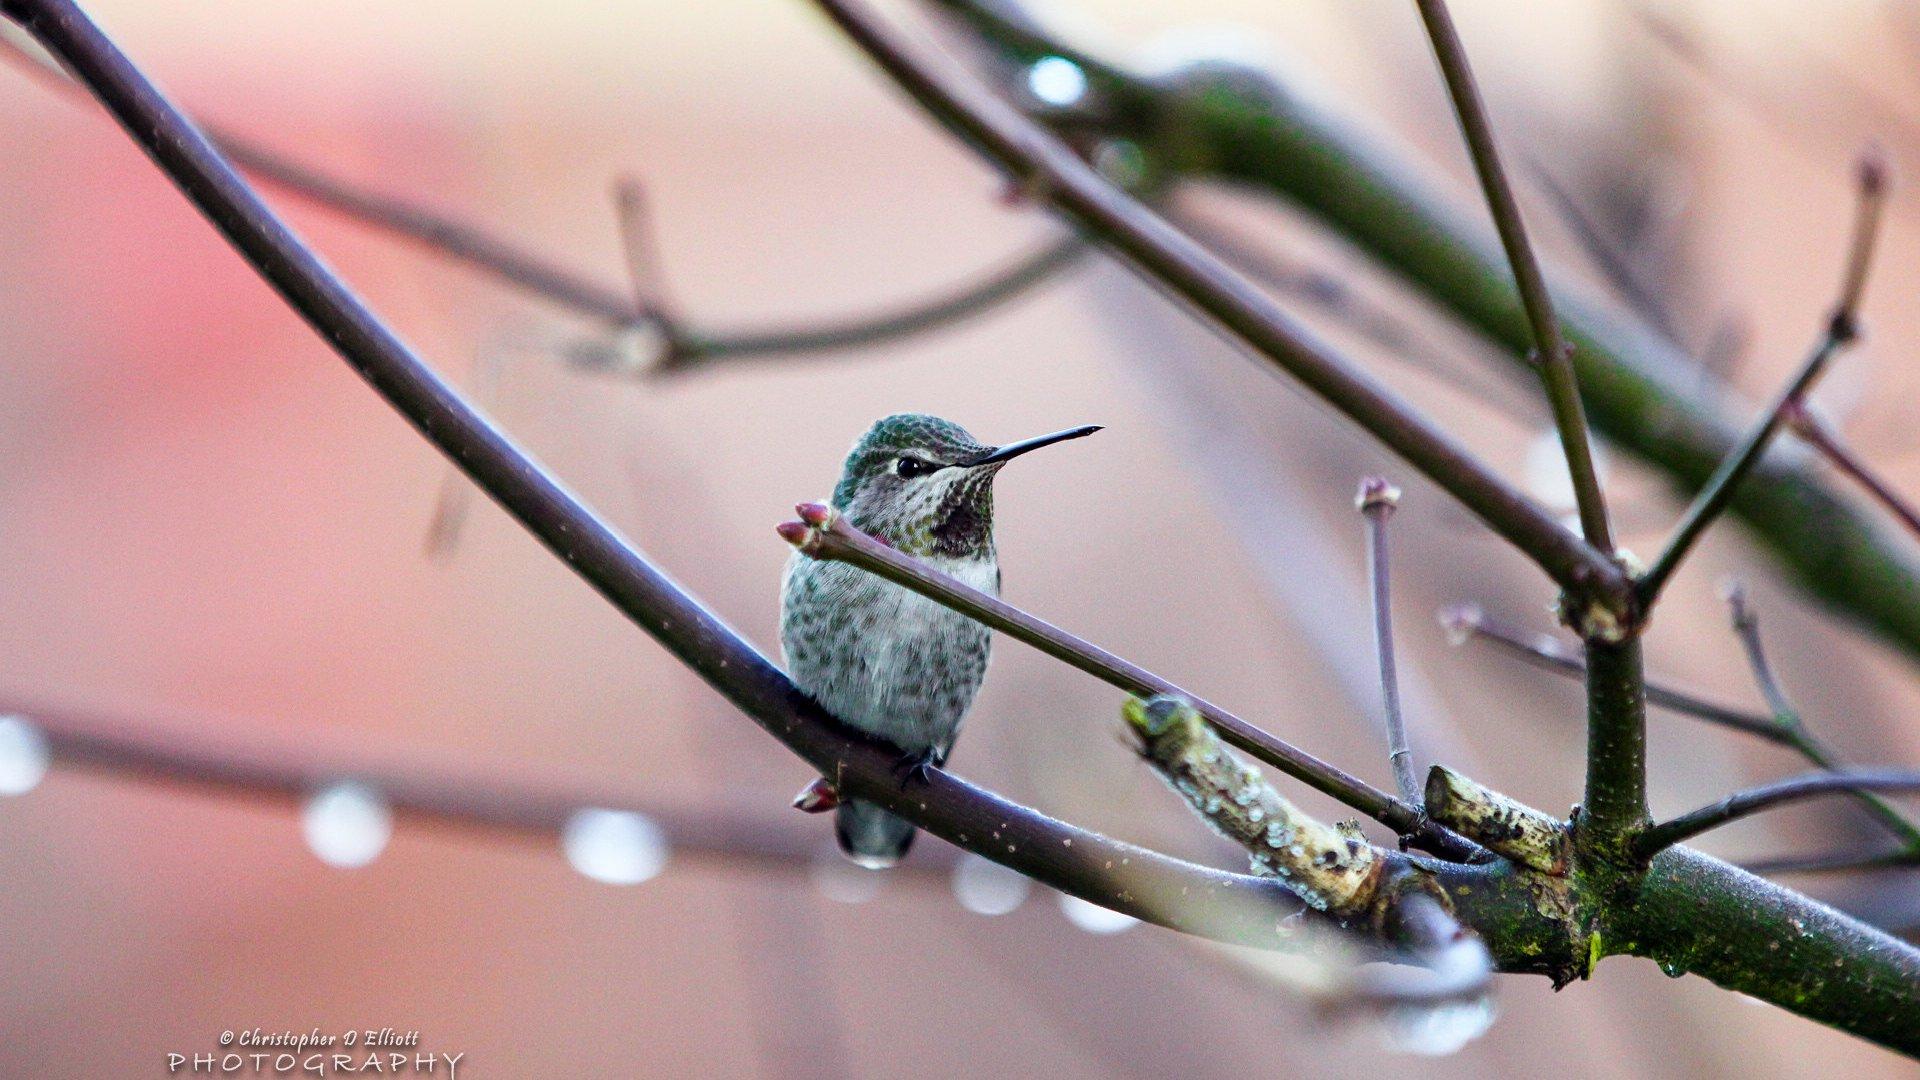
1640, 391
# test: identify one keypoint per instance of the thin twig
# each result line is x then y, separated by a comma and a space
823, 533
677, 346
1120, 876
1753, 800
136, 750
640, 244
1041, 163
1746, 626
1843, 327
704, 348
1551, 351
1815, 433
1548, 653
1615, 264
1376, 501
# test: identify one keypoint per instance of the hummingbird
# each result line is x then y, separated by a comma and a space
882, 658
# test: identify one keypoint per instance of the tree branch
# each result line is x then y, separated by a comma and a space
1815, 433
674, 346
1746, 626
122, 748
1376, 503
1223, 120
1843, 327
1550, 349
1141, 883
1753, 800
1039, 162
1543, 651
823, 533
1334, 870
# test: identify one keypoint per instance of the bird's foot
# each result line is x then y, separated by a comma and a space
915, 767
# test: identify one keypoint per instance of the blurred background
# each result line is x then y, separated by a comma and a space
212, 527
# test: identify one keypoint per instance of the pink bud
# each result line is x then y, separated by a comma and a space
816, 798
813, 513
793, 532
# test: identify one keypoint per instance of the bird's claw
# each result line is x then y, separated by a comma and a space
916, 767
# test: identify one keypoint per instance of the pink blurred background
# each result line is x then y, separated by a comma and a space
209, 522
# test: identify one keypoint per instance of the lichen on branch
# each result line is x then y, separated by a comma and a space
1332, 868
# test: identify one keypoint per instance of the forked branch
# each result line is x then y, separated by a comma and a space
1040, 163
1843, 326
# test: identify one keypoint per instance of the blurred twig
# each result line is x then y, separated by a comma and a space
128, 749
1746, 626
1059, 178
1815, 433
1546, 652
669, 343
1842, 328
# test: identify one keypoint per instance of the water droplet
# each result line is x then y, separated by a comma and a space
24, 755
1057, 81
1434, 1030
1673, 969
347, 824
984, 887
839, 879
618, 847
1093, 918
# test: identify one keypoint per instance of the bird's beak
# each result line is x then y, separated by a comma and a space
1010, 451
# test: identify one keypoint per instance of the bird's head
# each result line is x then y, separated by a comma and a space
925, 485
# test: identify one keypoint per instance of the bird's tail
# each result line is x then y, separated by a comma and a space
871, 836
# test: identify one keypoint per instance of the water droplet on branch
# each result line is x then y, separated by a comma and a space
24, 755
618, 847
347, 824
984, 887
839, 879
1093, 918
1434, 1030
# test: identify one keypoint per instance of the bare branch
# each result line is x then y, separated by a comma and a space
704, 348
1746, 626
1544, 651
1754, 800
1551, 352
1815, 433
1376, 502
1508, 828
1618, 266
1133, 880
1842, 329
138, 751
823, 533
1042, 163
672, 346
1332, 868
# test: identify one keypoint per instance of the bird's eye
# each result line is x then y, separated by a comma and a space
911, 467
